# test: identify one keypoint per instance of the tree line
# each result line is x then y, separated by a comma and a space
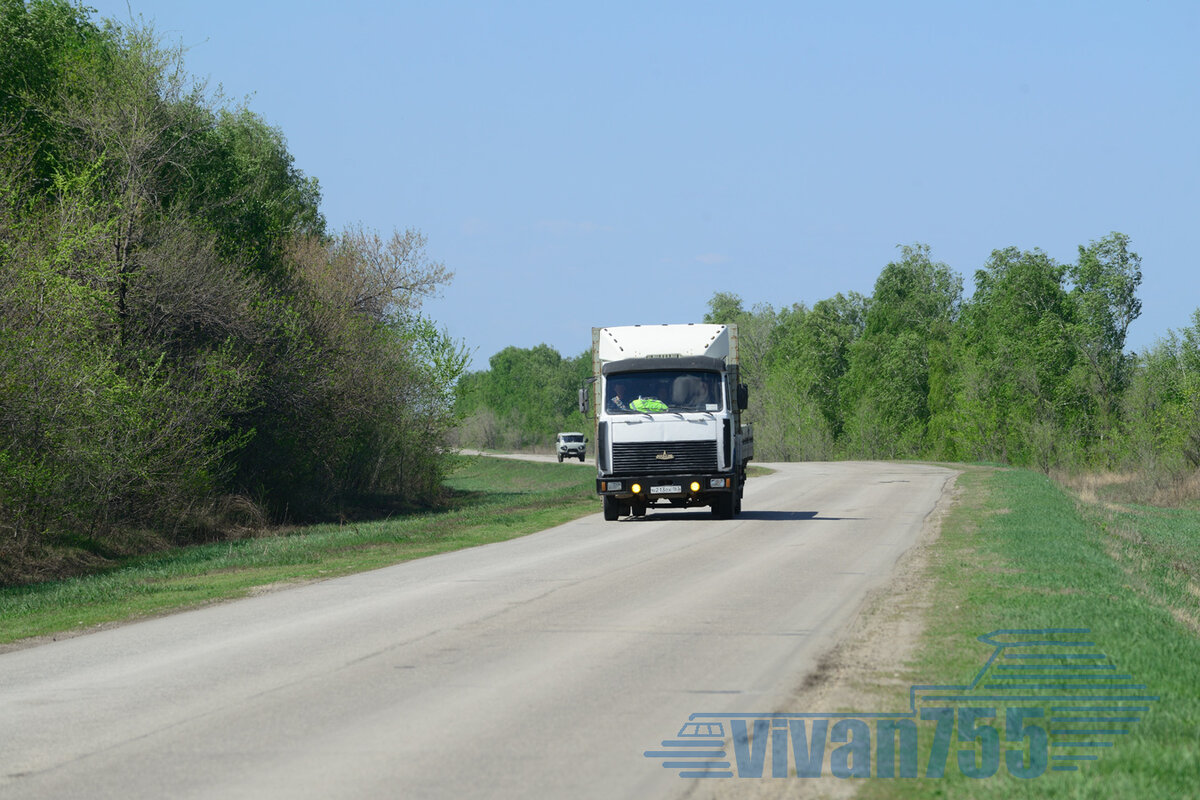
184, 346
1030, 370
522, 400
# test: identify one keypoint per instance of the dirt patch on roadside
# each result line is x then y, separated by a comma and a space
857, 673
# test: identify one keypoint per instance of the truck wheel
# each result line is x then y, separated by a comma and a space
612, 509
722, 507
581, 457
560, 458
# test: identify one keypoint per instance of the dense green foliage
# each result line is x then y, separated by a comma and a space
525, 397
1030, 370
181, 339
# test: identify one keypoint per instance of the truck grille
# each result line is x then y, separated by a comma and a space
640, 458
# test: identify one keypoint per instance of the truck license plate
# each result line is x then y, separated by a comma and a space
665, 490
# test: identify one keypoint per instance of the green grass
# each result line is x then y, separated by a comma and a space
493, 500
1019, 552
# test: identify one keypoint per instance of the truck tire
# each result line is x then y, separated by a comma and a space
722, 507
612, 509
581, 457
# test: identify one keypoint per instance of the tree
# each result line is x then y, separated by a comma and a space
814, 347
384, 280
1162, 403
125, 106
93, 441
39, 40
175, 323
724, 308
523, 399
1106, 279
355, 386
886, 395
250, 191
1014, 354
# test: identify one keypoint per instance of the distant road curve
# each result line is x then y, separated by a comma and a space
544, 666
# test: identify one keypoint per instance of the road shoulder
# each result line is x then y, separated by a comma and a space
865, 670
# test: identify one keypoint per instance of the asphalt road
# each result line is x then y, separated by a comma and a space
539, 667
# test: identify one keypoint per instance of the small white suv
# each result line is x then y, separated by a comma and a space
570, 445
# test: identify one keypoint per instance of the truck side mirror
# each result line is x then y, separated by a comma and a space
743, 397
583, 401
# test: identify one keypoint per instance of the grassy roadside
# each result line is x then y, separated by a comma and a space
1019, 552
493, 500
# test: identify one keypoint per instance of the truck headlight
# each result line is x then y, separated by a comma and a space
613, 486
717, 483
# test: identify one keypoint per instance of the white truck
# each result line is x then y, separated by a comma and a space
668, 409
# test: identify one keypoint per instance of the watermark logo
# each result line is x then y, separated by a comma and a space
1047, 699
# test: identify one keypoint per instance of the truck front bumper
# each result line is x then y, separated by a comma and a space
647, 489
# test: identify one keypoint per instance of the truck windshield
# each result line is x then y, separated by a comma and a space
665, 391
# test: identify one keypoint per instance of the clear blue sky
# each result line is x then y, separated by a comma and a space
582, 164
